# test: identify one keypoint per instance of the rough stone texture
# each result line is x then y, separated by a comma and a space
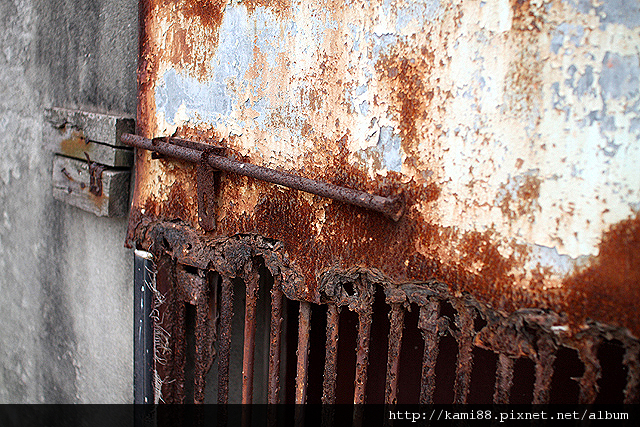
65, 277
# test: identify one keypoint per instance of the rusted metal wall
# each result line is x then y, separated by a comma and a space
511, 127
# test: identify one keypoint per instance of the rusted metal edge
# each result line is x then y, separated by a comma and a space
302, 353
224, 346
331, 355
396, 320
275, 342
391, 207
251, 280
428, 324
504, 379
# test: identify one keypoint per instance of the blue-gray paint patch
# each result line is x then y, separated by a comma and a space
389, 146
584, 82
574, 32
423, 10
624, 12
620, 76
212, 100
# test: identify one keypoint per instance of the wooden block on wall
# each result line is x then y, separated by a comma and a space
72, 142
95, 127
72, 182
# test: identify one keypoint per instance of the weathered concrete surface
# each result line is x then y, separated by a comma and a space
65, 278
511, 125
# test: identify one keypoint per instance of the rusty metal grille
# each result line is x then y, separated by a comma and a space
409, 343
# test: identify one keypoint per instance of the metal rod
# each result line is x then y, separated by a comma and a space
251, 292
588, 353
304, 328
362, 357
464, 322
202, 349
226, 315
331, 355
143, 327
275, 341
180, 351
396, 319
632, 363
504, 380
392, 207
428, 323
544, 369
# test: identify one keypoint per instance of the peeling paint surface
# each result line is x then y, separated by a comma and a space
513, 128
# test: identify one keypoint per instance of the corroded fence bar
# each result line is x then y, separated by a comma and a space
588, 353
180, 351
304, 329
362, 356
224, 348
428, 324
251, 292
632, 363
504, 379
202, 349
396, 318
275, 342
331, 355
464, 322
544, 369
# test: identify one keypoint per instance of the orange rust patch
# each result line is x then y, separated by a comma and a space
407, 76
208, 12
280, 7
525, 200
523, 82
609, 289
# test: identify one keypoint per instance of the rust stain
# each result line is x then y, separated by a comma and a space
608, 290
406, 72
523, 83
75, 145
280, 7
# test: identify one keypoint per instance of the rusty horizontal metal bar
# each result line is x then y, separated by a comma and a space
392, 207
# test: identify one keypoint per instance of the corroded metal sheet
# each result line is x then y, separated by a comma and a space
511, 126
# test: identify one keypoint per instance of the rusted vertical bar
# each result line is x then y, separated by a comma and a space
331, 355
275, 343
180, 350
632, 363
251, 287
226, 314
466, 333
428, 324
588, 353
544, 369
396, 318
202, 350
304, 328
504, 380
362, 356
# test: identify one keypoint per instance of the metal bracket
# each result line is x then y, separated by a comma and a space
95, 176
205, 154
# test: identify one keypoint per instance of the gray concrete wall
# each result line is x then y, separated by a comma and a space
65, 277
